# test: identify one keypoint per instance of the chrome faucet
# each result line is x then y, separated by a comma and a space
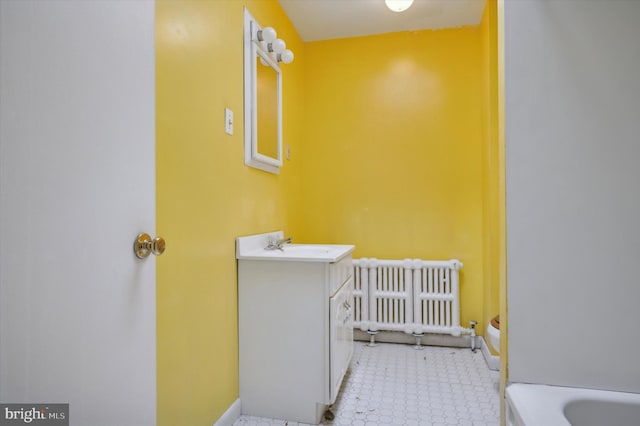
277, 244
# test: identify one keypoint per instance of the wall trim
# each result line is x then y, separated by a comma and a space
429, 339
493, 361
231, 415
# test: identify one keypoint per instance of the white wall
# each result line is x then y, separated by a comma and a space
572, 88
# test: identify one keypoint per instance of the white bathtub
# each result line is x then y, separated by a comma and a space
542, 405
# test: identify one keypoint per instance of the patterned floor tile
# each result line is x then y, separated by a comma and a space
394, 384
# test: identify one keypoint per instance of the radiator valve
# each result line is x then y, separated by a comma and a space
473, 324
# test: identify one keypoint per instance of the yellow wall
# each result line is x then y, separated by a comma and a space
391, 141
393, 158
206, 197
491, 164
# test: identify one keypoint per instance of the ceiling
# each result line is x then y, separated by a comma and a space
327, 19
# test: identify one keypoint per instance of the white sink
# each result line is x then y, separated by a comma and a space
251, 248
307, 249
300, 252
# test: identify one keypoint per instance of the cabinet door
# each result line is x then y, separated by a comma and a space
340, 335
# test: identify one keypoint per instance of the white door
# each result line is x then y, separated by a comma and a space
77, 184
573, 195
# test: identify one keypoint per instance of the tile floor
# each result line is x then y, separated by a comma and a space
394, 384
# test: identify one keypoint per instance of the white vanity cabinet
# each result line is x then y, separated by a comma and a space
295, 331
340, 335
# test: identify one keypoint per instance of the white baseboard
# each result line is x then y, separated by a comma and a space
493, 361
231, 415
427, 339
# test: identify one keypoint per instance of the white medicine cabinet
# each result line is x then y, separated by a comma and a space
262, 97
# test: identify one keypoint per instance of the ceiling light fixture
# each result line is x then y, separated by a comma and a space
398, 5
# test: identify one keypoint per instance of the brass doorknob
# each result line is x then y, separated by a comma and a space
144, 245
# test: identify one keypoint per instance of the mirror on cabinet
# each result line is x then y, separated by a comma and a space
268, 88
262, 98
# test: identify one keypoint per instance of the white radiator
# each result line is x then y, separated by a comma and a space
412, 295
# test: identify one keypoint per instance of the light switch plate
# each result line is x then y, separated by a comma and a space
228, 121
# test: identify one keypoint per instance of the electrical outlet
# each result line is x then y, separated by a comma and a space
228, 121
